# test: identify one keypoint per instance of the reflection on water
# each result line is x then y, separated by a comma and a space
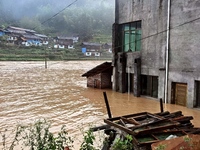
59, 93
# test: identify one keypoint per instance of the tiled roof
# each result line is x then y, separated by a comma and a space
98, 69
91, 44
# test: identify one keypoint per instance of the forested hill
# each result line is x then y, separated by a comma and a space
84, 17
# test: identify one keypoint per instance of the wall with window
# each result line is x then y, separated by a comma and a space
140, 24
138, 36
184, 53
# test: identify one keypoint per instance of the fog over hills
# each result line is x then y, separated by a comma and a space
90, 15
21, 8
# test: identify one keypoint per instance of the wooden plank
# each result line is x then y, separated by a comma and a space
127, 130
127, 116
183, 118
131, 121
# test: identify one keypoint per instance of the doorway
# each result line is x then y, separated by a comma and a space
197, 93
179, 93
130, 82
149, 86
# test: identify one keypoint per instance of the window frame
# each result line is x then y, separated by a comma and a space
130, 36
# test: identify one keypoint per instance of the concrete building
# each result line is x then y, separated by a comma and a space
157, 50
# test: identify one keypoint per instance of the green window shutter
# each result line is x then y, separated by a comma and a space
126, 41
132, 41
132, 37
126, 37
138, 40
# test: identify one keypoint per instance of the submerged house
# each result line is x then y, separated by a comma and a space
156, 50
100, 76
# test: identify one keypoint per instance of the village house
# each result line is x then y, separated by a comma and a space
29, 40
45, 39
65, 42
91, 49
100, 76
14, 33
107, 47
26, 37
156, 50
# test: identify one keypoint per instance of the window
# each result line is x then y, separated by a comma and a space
97, 54
149, 86
131, 36
88, 53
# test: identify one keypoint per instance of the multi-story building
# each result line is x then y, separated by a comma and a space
156, 50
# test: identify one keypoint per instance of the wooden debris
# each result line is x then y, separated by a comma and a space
188, 142
147, 128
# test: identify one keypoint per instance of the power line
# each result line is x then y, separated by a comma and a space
58, 12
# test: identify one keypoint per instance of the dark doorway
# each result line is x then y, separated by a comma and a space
197, 93
130, 82
149, 86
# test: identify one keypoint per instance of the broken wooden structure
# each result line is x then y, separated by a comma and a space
147, 128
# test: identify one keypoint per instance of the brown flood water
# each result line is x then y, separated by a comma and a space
59, 94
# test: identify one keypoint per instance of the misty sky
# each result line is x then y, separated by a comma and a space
22, 8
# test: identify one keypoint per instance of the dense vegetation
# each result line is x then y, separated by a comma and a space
33, 53
86, 18
91, 20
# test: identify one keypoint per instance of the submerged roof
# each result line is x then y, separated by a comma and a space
98, 69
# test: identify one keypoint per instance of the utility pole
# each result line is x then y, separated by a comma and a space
45, 57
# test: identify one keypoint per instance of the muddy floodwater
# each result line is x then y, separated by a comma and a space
59, 94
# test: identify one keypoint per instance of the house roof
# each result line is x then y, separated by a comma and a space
17, 29
91, 44
110, 44
64, 38
41, 35
98, 69
2, 30
30, 36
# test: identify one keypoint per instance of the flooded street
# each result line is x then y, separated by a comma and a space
59, 94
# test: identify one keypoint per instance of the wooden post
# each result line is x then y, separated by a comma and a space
161, 105
107, 105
